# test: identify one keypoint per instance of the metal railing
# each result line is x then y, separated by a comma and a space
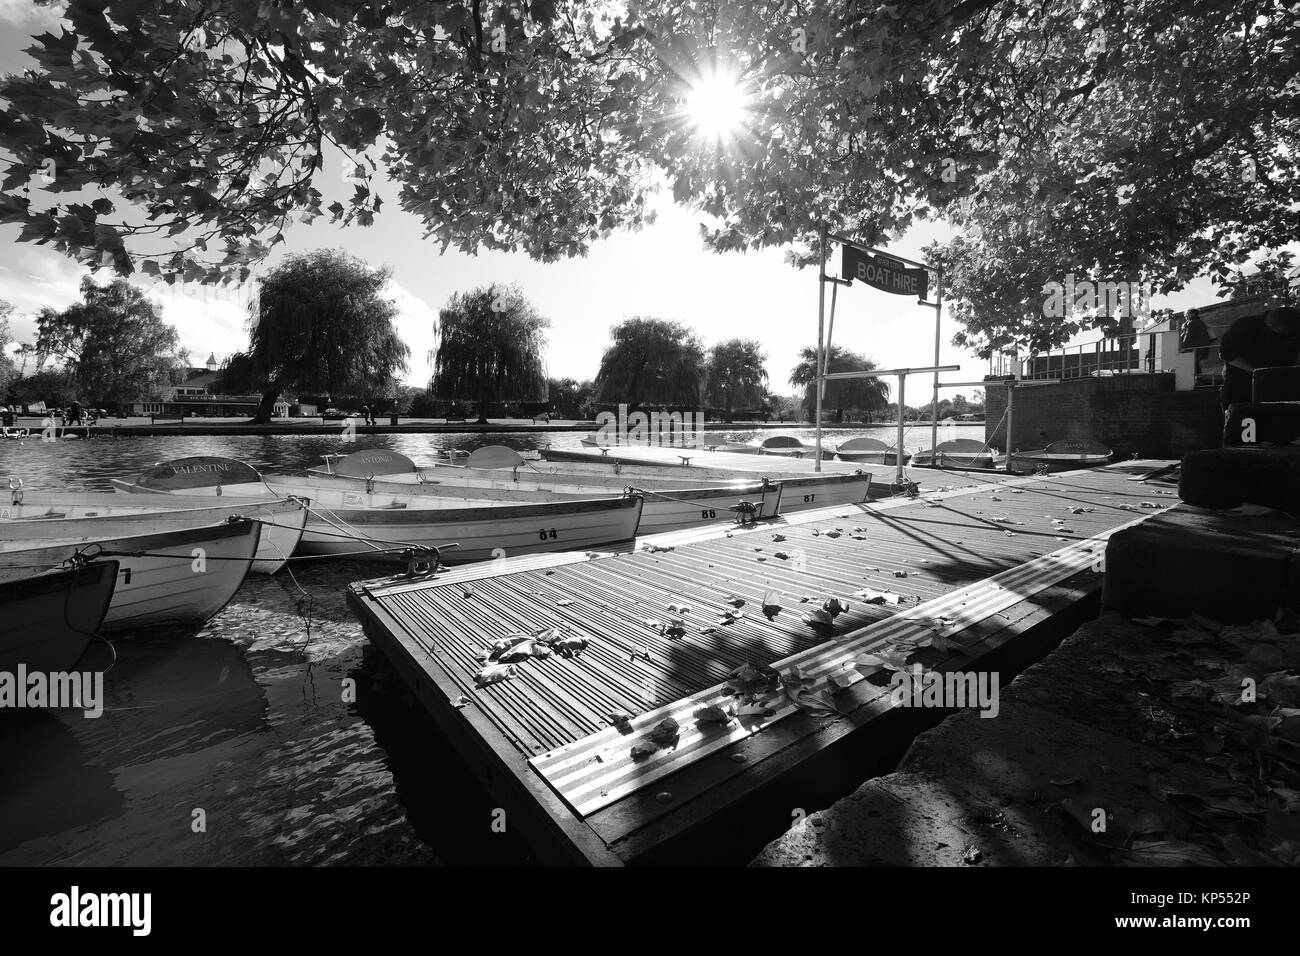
1136, 353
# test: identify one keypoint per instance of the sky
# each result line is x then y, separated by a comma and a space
662, 271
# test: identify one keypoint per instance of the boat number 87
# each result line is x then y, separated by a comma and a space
543, 534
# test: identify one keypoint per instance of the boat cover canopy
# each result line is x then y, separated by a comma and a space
494, 456
782, 441
200, 471
374, 461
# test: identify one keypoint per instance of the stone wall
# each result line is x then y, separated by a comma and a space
1138, 413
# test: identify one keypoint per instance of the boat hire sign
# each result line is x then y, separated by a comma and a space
887, 275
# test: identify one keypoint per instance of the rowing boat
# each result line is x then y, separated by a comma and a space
958, 453
669, 506
665, 510
40, 516
52, 616
1065, 455
869, 450
186, 575
348, 520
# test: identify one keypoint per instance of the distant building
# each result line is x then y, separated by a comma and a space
194, 398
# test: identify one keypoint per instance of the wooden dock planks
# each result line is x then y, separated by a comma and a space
953, 546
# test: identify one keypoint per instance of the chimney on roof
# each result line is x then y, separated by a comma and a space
212, 362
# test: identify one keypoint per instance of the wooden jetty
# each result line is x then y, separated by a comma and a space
984, 563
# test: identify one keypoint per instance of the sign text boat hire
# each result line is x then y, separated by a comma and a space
887, 275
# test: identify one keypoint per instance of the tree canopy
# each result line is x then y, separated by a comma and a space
489, 349
113, 343
1151, 139
320, 323
850, 394
651, 361
736, 375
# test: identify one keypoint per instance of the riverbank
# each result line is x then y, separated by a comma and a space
1129, 745
143, 427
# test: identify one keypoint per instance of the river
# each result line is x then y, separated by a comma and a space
234, 745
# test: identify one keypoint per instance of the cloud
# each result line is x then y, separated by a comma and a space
415, 323
25, 14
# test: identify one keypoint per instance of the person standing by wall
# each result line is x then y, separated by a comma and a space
1257, 341
1196, 337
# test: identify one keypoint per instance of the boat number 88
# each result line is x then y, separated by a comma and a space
543, 534
708, 513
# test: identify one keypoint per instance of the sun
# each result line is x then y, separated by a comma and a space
716, 105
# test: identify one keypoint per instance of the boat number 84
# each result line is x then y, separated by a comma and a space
543, 534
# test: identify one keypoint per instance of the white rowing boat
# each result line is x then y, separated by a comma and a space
958, 453
39, 516
869, 450
670, 506
50, 617
186, 575
1064, 455
347, 520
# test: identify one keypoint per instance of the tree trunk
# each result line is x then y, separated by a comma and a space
266, 406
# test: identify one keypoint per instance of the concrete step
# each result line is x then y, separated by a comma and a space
1227, 477
1277, 384
1227, 566
1261, 423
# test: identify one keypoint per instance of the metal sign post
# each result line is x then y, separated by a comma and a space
902, 374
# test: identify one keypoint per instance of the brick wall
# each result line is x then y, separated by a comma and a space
1129, 413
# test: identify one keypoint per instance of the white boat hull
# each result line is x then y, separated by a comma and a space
666, 508
351, 521
72, 516
184, 576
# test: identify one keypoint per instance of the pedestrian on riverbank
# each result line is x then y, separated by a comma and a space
1257, 341
1197, 338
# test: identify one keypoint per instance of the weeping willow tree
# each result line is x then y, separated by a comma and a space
851, 394
319, 323
489, 349
651, 361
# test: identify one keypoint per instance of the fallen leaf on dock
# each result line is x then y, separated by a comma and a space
494, 673
900, 574
771, 604
619, 718
736, 601
778, 537
753, 710
749, 679
708, 630
712, 714
643, 748
834, 606
570, 646
878, 597
565, 602
679, 609
816, 703
665, 732
640, 654
1079, 509
502, 644
818, 618
519, 652
1150, 504
782, 555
